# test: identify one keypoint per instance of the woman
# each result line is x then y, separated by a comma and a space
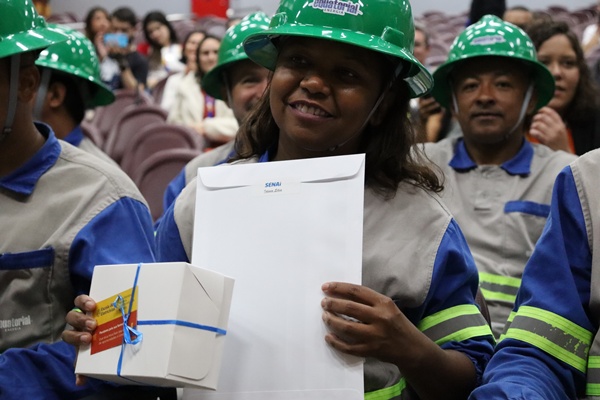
570, 122
190, 46
193, 107
419, 277
165, 51
97, 23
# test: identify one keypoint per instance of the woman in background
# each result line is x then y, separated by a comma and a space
97, 23
192, 107
570, 122
164, 55
190, 46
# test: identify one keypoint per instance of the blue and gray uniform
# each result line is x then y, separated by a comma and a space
214, 157
62, 213
550, 349
502, 210
78, 139
413, 252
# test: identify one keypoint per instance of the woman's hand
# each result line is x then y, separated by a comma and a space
365, 323
83, 326
549, 129
82, 323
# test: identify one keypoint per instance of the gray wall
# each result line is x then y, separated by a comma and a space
80, 7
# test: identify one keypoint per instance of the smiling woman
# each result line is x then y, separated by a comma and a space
337, 89
570, 122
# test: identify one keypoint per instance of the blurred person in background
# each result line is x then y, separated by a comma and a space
235, 79
518, 15
121, 66
97, 23
193, 107
479, 8
570, 121
190, 46
164, 55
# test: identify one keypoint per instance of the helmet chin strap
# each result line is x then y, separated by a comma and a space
41, 94
524, 106
397, 72
15, 64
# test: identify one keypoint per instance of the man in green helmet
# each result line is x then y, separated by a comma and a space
238, 81
62, 212
70, 84
498, 185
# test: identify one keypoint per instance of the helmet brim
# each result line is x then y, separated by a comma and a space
543, 80
212, 82
261, 50
35, 39
102, 93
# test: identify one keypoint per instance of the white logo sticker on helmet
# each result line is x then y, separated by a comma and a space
487, 40
337, 7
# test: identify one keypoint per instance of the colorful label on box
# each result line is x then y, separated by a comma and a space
109, 332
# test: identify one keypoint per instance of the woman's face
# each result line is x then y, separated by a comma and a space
208, 53
321, 103
159, 33
190, 47
558, 55
100, 22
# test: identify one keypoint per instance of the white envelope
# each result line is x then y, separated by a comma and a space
282, 229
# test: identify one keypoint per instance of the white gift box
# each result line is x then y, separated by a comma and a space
182, 313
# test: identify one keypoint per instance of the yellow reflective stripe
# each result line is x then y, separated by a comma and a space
498, 296
498, 287
455, 324
500, 280
592, 389
553, 334
387, 393
593, 376
445, 315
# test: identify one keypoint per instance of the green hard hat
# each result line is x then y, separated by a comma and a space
23, 30
77, 57
232, 50
383, 26
492, 36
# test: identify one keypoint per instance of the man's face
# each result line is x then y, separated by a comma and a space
118, 26
247, 81
489, 95
421, 50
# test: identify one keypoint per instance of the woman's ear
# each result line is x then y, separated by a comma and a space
29, 81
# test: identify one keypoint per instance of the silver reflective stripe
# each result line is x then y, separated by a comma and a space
553, 334
455, 324
499, 288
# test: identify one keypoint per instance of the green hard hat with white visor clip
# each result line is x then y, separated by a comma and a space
232, 50
23, 30
77, 57
383, 26
493, 37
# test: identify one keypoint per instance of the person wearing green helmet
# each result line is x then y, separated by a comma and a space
420, 279
70, 84
236, 80
498, 185
63, 211
343, 75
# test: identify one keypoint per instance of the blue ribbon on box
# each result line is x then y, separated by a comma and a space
119, 304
